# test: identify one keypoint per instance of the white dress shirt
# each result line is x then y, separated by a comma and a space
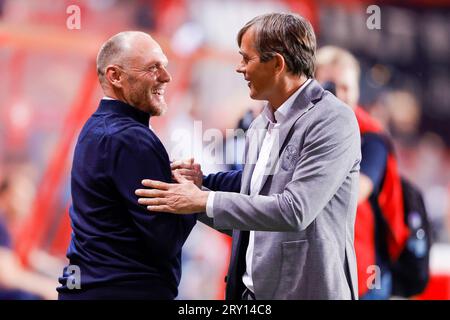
262, 168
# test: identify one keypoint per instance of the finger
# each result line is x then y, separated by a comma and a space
160, 208
155, 184
197, 167
179, 178
176, 164
150, 193
182, 164
189, 179
187, 172
151, 201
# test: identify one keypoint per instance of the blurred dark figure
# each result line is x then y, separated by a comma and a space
144, 15
380, 229
17, 283
400, 113
235, 145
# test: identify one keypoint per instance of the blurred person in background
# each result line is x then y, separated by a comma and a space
121, 250
380, 231
306, 207
235, 144
399, 113
433, 178
16, 282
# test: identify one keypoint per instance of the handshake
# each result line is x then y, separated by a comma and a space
187, 170
183, 197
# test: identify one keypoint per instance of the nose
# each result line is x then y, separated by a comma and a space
164, 75
240, 68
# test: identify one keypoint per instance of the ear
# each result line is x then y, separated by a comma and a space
279, 63
114, 76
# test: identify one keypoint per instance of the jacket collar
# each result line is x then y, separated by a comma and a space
306, 100
124, 109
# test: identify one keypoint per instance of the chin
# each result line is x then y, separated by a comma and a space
255, 96
158, 110
162, 111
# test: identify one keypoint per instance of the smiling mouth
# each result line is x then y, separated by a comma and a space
159, 91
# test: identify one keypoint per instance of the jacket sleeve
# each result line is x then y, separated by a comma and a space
229, 181
330, 150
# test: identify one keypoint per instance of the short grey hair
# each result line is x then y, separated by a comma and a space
112, 51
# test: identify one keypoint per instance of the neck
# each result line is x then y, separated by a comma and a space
110, 93
285, 90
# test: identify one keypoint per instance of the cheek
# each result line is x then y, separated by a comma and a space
264, 80
148, 85
144, 89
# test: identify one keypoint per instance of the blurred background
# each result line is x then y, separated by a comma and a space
49, 88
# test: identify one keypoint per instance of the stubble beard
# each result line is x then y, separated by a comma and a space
144, 101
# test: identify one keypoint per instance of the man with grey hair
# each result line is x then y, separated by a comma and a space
293, 207
118, 250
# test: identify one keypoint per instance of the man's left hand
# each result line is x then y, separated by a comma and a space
182, 198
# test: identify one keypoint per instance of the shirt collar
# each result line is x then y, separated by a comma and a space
281, 113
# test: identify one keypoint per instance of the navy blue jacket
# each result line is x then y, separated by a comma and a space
123, 251
227, 181
5, 238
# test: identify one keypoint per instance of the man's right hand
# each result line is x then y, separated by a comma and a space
188, 169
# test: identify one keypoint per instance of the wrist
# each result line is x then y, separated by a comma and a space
201, 201
199, 182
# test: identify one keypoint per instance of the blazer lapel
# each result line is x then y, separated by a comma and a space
255, 138
302, 104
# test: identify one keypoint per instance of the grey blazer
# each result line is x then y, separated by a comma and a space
305, 212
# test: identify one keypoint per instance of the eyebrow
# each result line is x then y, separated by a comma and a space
242, 53
164, 63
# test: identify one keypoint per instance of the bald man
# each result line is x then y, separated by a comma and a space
118, 250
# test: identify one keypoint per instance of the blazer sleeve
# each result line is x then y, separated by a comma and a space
330, 150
